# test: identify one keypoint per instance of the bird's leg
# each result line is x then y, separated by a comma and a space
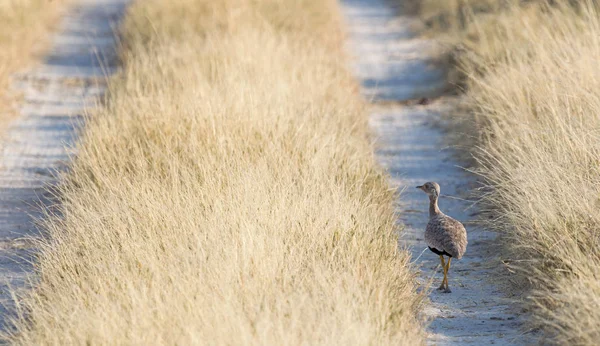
447, 290
442, 287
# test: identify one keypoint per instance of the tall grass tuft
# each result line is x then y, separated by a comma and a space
226, 194
24, 28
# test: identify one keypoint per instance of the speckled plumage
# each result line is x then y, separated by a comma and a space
445, 234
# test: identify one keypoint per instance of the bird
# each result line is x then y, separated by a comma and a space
444, 235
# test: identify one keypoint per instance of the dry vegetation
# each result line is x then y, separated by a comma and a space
24, 25
226, 194
532, 97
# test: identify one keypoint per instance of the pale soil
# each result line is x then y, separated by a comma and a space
37, 142
394, 66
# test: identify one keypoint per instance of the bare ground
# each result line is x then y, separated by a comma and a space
38, 142
394, 66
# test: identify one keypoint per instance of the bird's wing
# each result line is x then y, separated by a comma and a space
447, 234
434, 234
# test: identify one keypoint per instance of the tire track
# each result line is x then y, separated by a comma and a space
37, 143
394, 65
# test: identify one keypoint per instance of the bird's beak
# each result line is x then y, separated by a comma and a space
420, 187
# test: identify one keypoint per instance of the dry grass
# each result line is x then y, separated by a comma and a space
226, 194
24, 27
532, 98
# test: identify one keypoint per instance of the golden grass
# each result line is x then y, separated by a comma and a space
226, 194
533, 125
24, 28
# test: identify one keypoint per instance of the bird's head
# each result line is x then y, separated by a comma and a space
430, 188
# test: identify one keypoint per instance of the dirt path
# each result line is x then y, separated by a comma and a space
55, 93
393, 65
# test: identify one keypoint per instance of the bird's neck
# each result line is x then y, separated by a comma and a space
433, 206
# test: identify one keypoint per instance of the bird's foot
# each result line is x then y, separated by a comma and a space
442, 287
447, 290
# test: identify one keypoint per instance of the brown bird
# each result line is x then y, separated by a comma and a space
444, 235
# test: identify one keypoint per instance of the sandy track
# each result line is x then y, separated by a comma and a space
393, 66
36, 144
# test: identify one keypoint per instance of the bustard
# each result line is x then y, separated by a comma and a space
444, 235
